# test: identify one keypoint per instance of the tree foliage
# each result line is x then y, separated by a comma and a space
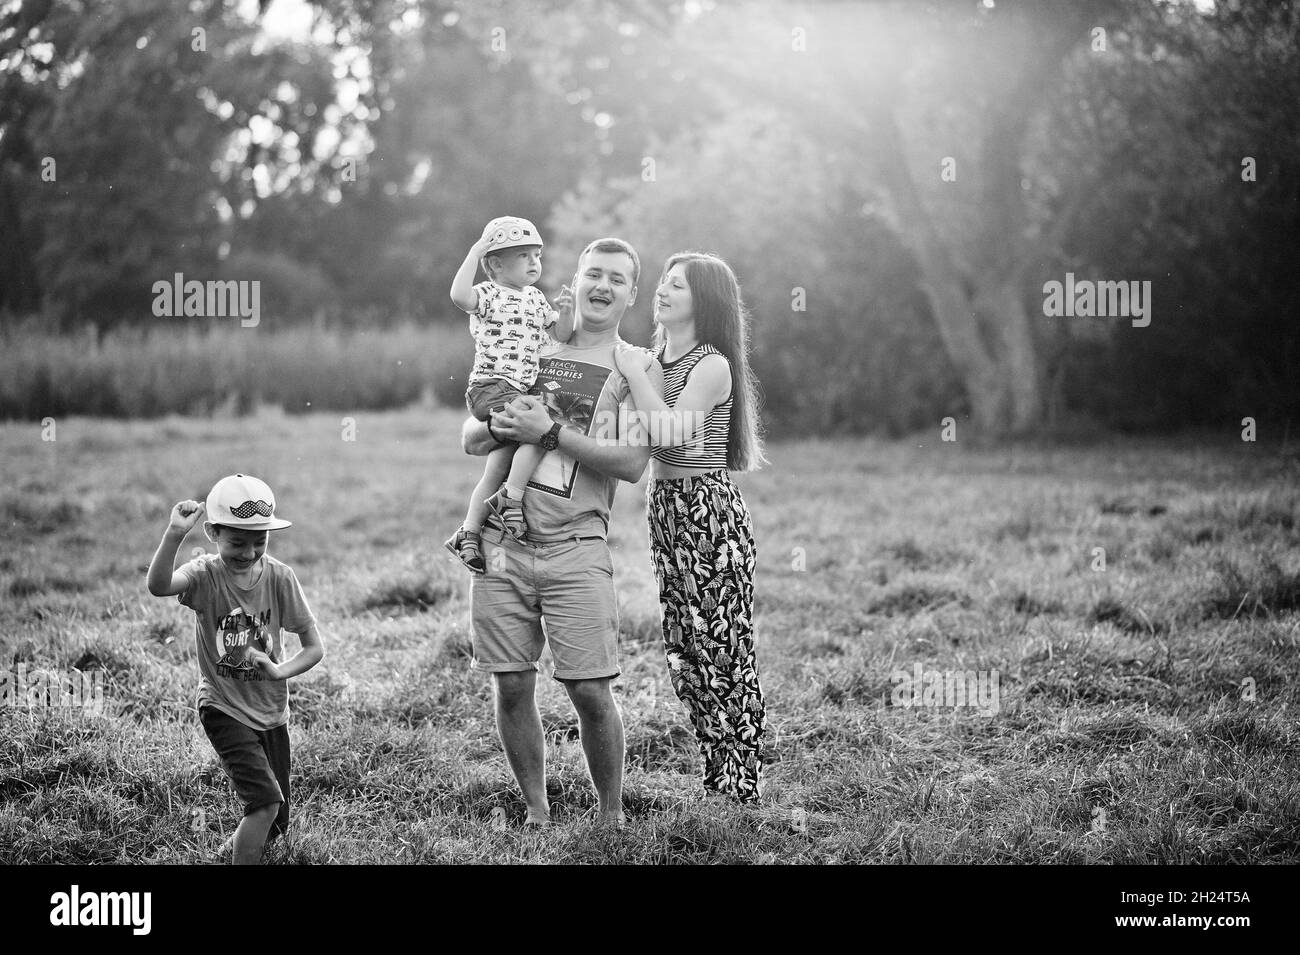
350, 169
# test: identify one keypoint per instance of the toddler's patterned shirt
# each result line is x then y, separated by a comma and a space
509, 329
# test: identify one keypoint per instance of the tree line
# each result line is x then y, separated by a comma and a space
897, 185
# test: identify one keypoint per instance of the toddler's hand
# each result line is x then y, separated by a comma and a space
185, 515
480, 246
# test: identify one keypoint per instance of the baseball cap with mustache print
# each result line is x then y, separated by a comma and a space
245, 502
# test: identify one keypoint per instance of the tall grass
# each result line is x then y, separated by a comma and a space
229, 370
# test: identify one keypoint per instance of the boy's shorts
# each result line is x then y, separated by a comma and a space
570, 583
257, 762
481, 397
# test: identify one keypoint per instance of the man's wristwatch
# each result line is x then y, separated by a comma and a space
551, 440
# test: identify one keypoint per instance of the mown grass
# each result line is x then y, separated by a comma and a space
1146, 710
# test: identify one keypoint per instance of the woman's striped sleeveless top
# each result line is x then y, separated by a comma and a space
708, 451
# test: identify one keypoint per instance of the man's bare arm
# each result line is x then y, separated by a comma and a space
526, 420
621, 454
627, 462
475, 437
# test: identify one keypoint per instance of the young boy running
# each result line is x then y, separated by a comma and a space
242, 598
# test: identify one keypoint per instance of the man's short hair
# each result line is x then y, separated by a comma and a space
616, 245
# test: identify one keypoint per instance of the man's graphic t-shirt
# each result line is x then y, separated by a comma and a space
232, 621
583, 390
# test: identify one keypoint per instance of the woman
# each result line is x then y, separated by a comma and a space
701, 538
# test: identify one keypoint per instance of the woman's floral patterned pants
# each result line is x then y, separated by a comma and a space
702, 545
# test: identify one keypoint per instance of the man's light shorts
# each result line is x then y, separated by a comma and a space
570, 583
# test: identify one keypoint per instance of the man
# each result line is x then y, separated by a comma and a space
561, 572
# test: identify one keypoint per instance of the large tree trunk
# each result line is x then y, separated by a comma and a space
975, 284
1001, 371
1020, 365
955, 317
985, 329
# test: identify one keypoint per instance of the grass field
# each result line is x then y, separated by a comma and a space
1146, 712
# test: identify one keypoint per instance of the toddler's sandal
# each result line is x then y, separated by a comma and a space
468, 549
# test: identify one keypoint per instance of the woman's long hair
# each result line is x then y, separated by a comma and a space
721, 320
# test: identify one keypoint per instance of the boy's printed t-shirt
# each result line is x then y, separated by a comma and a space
509, 329
233, 620
583, 390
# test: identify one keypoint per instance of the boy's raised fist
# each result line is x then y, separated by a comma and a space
186, 514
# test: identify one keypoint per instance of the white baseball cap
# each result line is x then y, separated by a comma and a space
245, 502
509, 232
